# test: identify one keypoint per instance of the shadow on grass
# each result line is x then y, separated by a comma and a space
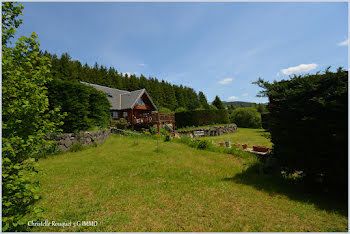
275, 185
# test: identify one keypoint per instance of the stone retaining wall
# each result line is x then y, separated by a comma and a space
66, 140
213, 131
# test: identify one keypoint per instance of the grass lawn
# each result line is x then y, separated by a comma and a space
249, 136
202, 127
128, 186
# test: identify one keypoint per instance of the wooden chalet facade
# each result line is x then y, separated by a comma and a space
136, 106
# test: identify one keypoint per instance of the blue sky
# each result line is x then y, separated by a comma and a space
217, 48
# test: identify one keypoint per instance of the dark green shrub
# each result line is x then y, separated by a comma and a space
75, 147
203, 144
85, 106
153, 130
167, 138
164, 110
201, 117
265, 120
163, 131
308, 122
246, 117
121, 123
180, 109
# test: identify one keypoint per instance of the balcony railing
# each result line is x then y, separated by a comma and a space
144, 119
154, 118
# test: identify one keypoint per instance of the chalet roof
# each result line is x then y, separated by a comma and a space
121, 99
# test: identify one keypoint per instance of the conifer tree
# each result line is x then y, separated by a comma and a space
203, 100
218, 103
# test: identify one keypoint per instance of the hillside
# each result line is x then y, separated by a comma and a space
238, 103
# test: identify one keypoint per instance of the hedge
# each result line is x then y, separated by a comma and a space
201, 117
308, 122
85, 106
246, 117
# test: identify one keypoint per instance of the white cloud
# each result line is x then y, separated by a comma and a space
344, 43
300, 68
142, 64
278, 74
232, 97
225, 81
245, 94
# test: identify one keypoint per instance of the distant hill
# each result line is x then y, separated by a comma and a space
238, 103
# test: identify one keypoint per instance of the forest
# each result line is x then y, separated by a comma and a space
162, 93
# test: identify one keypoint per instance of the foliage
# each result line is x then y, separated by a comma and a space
162, 93
163, 131
167, 138
164, 110
265, 121
26, 120
308, 122
246, 117
230, 108
75, 147
218, 103
85, 106
212, 107
260, 107
153, 130
201, 117
99, 109
203, 144
121, 123
203, 100
180, 109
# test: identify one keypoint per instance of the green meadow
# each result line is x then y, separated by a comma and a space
127, 184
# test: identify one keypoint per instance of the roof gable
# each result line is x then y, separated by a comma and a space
121, 99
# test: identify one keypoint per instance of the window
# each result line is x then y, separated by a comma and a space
115, 115
125, 114
140, 102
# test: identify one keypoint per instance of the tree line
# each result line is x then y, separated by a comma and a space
162, 93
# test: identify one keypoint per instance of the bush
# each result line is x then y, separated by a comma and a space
85, 106
308, 122
121, 123
164, 110
153, 130
26, 120
167, 138
203, 144
246, 117
201, 117
75, 147
180, 109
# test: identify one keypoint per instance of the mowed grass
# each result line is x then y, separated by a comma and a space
249, 136
126, 185
202, 127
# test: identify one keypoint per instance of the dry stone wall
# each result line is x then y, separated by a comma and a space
212, 131
66, 140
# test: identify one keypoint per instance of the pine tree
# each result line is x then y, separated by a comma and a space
218, 103
203, 100
162, 93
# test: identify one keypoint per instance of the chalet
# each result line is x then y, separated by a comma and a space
136, 106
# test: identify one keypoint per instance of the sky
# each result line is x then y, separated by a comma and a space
216, 48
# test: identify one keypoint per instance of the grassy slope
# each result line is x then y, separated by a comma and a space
130, 187
248, 136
